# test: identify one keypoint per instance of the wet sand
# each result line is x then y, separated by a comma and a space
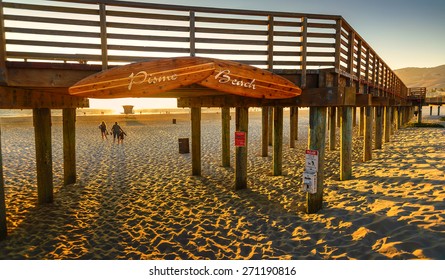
139, 201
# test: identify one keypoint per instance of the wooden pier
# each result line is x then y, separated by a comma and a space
46, 50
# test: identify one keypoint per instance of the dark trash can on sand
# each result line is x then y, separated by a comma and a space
184, 145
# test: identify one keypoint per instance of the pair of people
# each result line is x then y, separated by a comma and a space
116, 130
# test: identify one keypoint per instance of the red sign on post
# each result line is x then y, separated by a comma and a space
240, 139
311, 160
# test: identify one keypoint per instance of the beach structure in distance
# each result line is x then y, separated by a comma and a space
128, 109
204, 57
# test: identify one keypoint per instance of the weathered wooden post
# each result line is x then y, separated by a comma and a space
408, 114
338, 116
270, 126
378, 128
333, 127
346, 143
278, 141
225, 141
431, 110
69, 146
3, 225
419, 114
438, 110
265, 131
316, 141
392, 125
367, 143
42, 131
362, 121
346, 125
293, 126
354, 117
296, 122
328, 127
401, 116
387, 123
242, 125
397, 118
196, 141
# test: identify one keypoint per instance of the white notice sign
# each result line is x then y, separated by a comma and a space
311, 161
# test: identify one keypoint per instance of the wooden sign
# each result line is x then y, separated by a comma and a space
240, 138
145, 79
249, 81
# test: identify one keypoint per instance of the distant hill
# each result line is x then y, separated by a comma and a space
432, 78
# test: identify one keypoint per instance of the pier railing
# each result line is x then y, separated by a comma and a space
438, 100
418, 93
108, 33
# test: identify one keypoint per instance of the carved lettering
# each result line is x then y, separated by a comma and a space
143, 77
223, 77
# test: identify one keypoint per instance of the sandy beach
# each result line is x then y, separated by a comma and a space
139, 201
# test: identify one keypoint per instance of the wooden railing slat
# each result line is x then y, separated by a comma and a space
48, 8
52, 20
52, 32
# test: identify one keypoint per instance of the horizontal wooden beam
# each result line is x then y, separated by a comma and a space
223, 101
45, 77
19, 98
379, 101
363, 100
312, 97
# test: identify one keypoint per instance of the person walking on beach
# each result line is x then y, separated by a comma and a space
116, 130
120, 138
103, 130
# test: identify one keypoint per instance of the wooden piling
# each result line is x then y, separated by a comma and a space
392, 126
225, 140
354, 116
346, 143
367, 143
316, 141
338, 109
419, 114
387, 123
3, 225
242, 124
270, 140
362, 121
378, 135
333, 127
42, 131
396, 118
292, 127
278, 141
407, 115
329, 120
196, 140
296, 122
69, 146
265, 131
